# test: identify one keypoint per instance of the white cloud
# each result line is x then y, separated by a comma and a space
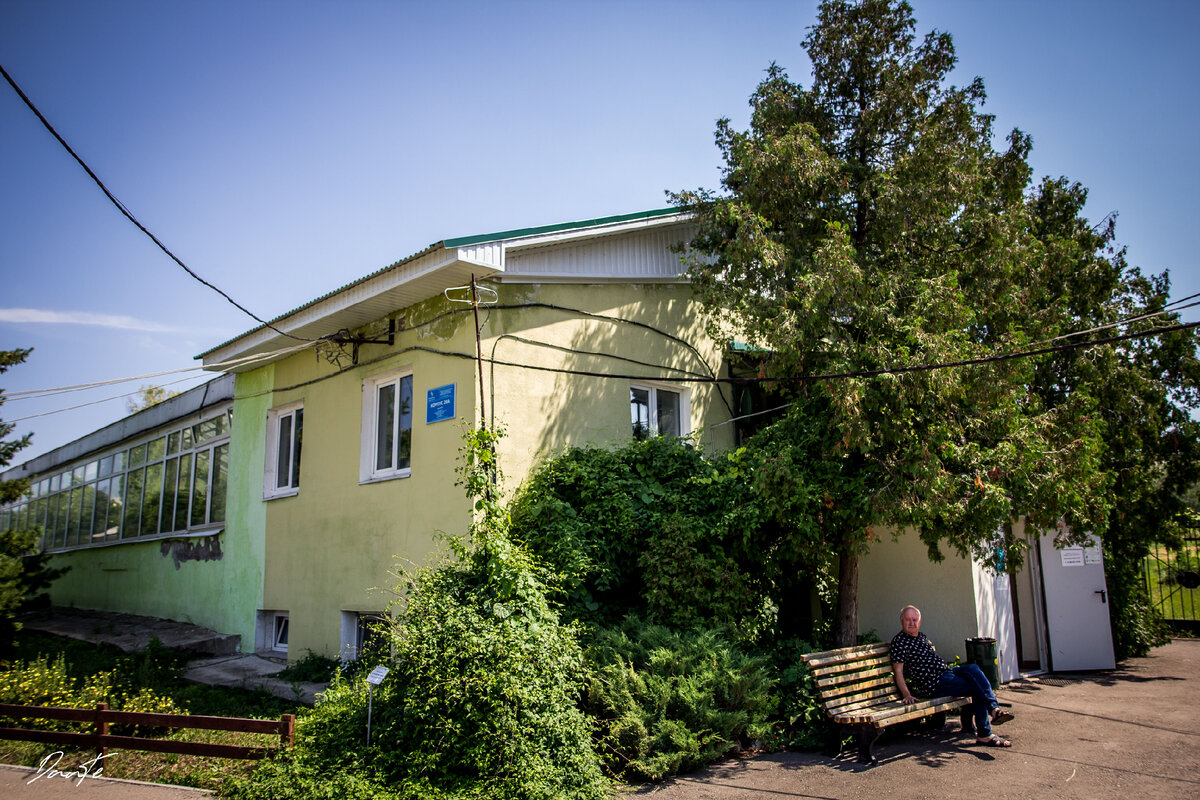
81, 318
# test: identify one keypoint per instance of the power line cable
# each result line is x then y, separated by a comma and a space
121, 207
28, 394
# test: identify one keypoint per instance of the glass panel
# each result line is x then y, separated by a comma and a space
106, 466
639, 411
200, 488
119, 462
206, 430
385, 426
156, 449
77, 475
150, 499
186, 441
283, 459
668, 412
131, 520
73, 516
91, 471
183, 493
39, 515
55, 482
7, 520
60, 519
404, 450
113, 524
221, 424
281, 633
100, 512
296, 453
170, 484
137, 456
216, 511
173, 443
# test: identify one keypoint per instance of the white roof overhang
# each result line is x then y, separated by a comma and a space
420, 277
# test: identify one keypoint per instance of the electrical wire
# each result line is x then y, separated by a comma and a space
33, 394
85, 405
1170, 308
129, 215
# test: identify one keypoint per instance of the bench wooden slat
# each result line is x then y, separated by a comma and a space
863, 676
842, 691
845, 654
833, 669
875, 696
892, 715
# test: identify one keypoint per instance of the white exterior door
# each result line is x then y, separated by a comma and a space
1077, 621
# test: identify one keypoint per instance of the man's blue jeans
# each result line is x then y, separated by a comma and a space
970, 680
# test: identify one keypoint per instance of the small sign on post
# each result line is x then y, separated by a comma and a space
374, 679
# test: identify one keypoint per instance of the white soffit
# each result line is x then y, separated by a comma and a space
370, 299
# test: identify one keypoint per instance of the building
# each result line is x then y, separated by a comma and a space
347, 415
278, 501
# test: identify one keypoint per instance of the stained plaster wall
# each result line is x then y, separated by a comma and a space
332, 547
897, 572
547, 411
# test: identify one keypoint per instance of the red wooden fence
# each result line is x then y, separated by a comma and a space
101, 717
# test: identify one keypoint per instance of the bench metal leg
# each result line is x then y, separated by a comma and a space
866, 744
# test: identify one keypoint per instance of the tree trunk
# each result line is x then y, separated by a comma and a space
846, 621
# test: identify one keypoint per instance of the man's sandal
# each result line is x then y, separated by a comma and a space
1000, 716
993, 741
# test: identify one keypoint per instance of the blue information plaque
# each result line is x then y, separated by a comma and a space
439, 404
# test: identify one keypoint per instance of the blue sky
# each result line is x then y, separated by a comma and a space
283, 149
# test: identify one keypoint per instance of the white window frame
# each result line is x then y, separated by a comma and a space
367, 470
271, 489
280, 623
685, 406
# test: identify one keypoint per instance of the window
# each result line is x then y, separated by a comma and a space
174, 482
285, 430
279, 634
387, 427
363, 634
657, 412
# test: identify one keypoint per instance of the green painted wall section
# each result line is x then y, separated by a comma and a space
212, 581
246, 519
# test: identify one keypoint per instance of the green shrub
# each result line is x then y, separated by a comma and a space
671, 701
482, 697
46, 681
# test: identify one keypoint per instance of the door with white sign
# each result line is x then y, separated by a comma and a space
1076, 606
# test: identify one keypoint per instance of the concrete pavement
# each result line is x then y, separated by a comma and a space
1131, 732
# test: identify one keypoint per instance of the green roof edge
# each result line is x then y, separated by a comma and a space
463, 241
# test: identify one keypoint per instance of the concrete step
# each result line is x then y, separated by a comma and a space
131, 632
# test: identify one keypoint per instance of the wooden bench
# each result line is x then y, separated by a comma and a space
857, 689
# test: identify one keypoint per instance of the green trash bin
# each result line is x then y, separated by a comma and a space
983, 652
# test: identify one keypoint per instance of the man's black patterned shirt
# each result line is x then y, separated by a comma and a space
922, 665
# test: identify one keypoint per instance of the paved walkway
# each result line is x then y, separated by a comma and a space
1132, 732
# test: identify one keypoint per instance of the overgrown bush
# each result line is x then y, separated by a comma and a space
671, 701
652, 528
482, 698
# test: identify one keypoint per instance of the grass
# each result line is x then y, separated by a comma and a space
160, 671
1172, 600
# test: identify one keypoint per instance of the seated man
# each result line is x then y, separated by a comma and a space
921, 672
